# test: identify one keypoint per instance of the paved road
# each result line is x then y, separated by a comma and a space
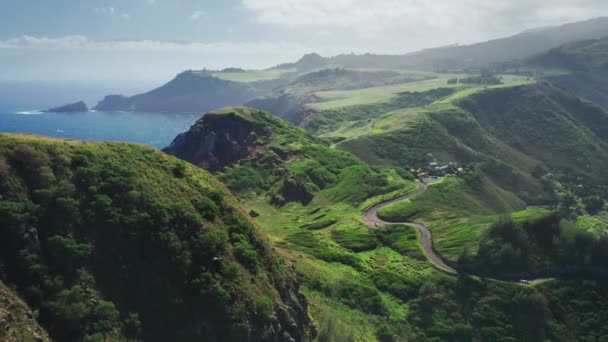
371, 219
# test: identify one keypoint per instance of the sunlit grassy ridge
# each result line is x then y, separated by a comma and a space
339, 99
247, 76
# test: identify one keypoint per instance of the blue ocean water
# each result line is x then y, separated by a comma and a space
21, 113
157, 130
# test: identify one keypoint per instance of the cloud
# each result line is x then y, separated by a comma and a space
112, 11
82, 43
45, 43
78, 57
198, 15
105, 10
434, 21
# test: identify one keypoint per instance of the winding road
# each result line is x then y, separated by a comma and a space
371, 219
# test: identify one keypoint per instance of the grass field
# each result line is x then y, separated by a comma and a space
249, 76
400, 118
593, 224
346, 98
338, 99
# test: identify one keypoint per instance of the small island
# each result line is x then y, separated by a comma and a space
77, 107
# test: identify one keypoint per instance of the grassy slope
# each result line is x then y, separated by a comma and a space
582, 67
324, 238
507, 150
547, 124
17, 321
248, 76
499, 129
147, 214
456, 211
351, 79
378, 101
364, 283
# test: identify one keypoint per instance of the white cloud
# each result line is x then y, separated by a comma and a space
112, 11
198, 15
77, 57
82, 43
418, 22
105, 10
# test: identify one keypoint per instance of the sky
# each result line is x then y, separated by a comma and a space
155, 39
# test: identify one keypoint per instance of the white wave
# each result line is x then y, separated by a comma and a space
34, 112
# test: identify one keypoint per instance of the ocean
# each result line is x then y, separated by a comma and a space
21, 104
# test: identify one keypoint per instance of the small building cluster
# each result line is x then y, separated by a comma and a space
440, 171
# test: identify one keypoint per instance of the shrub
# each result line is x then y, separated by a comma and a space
265, 308
395, 284
208, 208
357, 239
66, 254
179, 170
33, 165
246, 254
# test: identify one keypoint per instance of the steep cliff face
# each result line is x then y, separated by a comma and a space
217, 140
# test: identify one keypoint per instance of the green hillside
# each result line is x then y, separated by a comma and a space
515, 135
457, 209
193, 92
583, 66
369, 284
584, 55
116, 241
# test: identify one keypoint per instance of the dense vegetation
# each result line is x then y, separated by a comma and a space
360, 281
121, 242
582, 68
294, 166
547, 245
515, 135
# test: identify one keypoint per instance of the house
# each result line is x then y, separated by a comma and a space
440, 171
